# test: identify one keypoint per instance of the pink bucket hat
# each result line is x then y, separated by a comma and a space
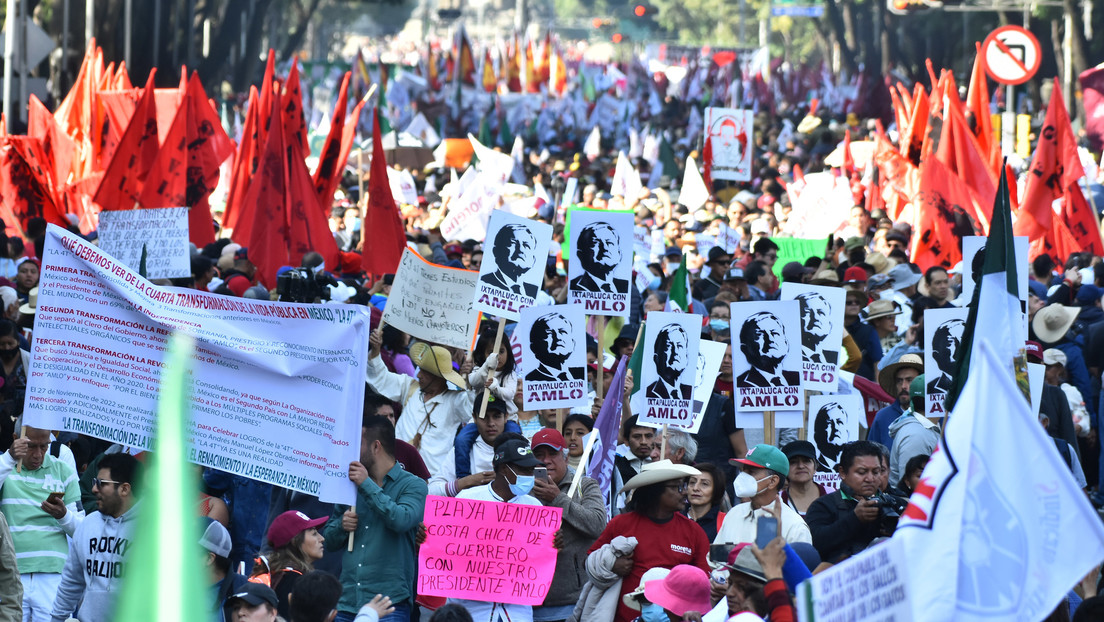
685, 588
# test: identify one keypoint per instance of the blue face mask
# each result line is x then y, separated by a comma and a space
652, 612
718, 325
523, 484
655, 283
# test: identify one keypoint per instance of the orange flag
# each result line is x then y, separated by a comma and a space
58, 146
124, 176
490, 82
1054, 168
324, 179
977, 114
941, 221
911, 141
958, 151
383, 248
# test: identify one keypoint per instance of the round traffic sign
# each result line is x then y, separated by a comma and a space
1012, 54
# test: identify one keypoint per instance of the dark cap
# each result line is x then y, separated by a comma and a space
804, 449
716, 253
672, 251
515, 451
493, 403
735, 274
241, 253
793, 271
256, 594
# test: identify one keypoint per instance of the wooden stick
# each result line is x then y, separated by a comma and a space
663, 442
19, 465
351, 533
561, 414
497, 345
768, 427
601, 324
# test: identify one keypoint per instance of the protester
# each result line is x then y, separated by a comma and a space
913, 434
116, 486
755, 582
513, 468
761, 481
41, 504
494, 371
575, 427
314, 598
846, 521
684, 592
224, 581
11, 587
632, 455
895, 379
801, 490
653, 517
705, 496
389, 507
584, 518
469, 462
255, 602
296, 545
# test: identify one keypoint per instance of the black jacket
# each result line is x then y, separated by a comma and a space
837, 532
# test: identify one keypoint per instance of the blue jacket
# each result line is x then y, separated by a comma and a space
879, 429
463, 445
1078, 372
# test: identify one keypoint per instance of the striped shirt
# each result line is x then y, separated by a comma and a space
40, 542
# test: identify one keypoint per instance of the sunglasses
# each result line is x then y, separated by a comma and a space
98, 483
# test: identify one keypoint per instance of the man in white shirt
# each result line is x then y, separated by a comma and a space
761, 481
445, 482
513, 467
431, 411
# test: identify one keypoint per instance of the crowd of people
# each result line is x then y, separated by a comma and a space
692, 520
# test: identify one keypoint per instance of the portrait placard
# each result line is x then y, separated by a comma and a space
553, 356
943, 330
669, 368
514, 259
729, 143
600, 261
833, 422
821, 331
767, 362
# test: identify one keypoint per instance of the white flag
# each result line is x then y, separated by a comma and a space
626, 181
497, 165
694, 194
997, 528
592, 148
517, 154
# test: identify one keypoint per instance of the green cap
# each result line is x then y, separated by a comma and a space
766, 457
916, 393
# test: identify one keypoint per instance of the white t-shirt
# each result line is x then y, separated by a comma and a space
481, 456
741, 525
495, 612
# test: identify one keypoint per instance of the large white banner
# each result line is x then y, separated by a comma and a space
163, 232
433, 303
278, 388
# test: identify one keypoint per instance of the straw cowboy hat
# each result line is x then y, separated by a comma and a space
437, 361
888, 376
659, 471
881, 308
1052, 322
32, 302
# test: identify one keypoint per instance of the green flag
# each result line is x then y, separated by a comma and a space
796, 249
505, 136
165, 579
996, 299
636, 363
679, 294
142, 270
667, 160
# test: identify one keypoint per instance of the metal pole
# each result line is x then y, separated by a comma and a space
128, 26
89, 19
63, 85
190, 49
21, 29
9, 61
156, 33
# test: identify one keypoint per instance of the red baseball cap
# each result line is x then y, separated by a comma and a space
290, 524
854, 274
550, 437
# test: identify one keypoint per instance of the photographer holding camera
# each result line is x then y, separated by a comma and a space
848, 520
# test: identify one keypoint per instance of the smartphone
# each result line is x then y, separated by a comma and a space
765, 530
55, 497
718, 553
541, 473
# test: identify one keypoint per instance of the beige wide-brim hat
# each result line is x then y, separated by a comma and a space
32, 302
437, 361
632, 599
888, 376
659, 471
1052, 322
881, 308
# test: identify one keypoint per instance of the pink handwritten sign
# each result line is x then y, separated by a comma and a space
488, 551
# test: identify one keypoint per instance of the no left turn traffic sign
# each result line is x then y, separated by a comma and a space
1012, 55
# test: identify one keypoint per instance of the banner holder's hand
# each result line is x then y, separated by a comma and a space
19, 465
357, 473
497, 345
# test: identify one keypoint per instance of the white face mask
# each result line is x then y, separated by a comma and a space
746, 486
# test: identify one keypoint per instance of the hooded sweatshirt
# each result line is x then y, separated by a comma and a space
912, 435
94, 570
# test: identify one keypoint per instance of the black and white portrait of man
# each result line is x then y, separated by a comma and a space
552, 343
830, 433
816, 326
514, 252
764, 343
598, 251
671, 357
946, 341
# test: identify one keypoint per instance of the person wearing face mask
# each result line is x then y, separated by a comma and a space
719, 315
761, 480
635, 600
15, 364
513, 464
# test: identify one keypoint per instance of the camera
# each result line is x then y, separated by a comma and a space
889, 506
303, 285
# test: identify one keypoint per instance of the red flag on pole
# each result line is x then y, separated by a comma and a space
383, 248
293, 107
245, 161
125, 174
262, 225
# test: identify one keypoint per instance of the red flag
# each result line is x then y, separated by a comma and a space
513, 66
1092, 89
245, 161
977, 110
941, 219
465, 59
1054, 168
848, 159
911, 140
383, 248
707, 165
293, 107
262, 224
1080, 220
24, 185
308, 227
900, 180
124, 176
490, 82
324, 179
56, 144
958, 151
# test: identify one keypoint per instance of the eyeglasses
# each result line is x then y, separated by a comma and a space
98, 483
679, 486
